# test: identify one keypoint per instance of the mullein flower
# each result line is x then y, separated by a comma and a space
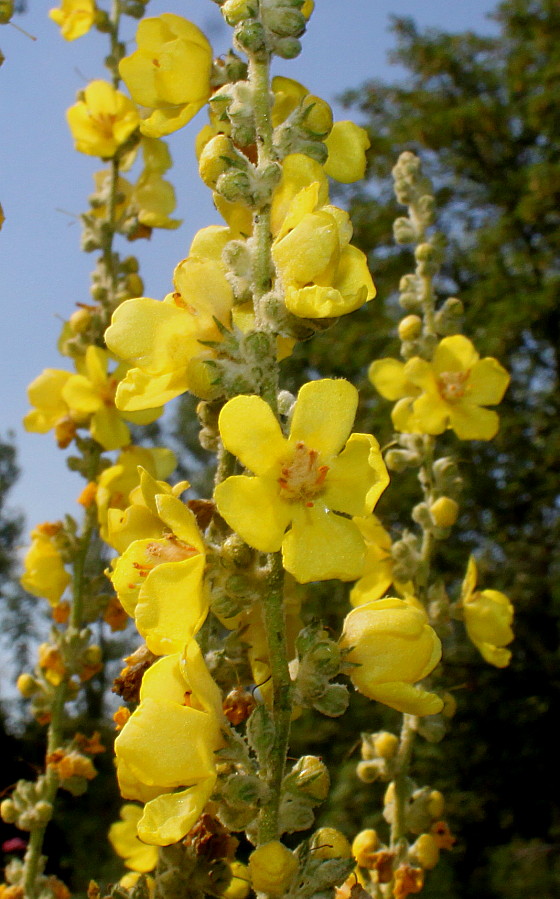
75, 18
44, 572
302, 482
451, 391
123, 837
165, 751
162, 339
392, 646
488, 615
116, 482
168, 73
322, 274
64, 402
102, 121
159, 578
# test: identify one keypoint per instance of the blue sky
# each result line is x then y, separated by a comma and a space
44, 186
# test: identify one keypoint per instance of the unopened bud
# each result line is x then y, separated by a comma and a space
79, 320
318, 116
8, 811
425, 851
404, 230
410, 327
216, 158
385, 744
235, 11
327, 842
285, 22
287, 47
444, 512
27, 685
364, 844
272, 868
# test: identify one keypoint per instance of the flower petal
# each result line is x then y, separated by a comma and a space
169, 817
324, 414
454, 353
252, 507
250, 430
389, 379
357, 477
488, 382
472, 422
407, 699
172, 606
322, 546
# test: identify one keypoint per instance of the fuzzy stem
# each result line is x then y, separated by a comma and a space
275, 626
408, 733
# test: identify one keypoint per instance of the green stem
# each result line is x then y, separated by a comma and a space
408, 733
275, 627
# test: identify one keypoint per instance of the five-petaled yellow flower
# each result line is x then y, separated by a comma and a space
169, 73
103, 120
392, 646
308, 482
451, 391
165, 751
488, 616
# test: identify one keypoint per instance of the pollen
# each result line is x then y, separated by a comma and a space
452, 385
303, 478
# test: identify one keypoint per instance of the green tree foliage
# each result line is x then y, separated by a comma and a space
483, 114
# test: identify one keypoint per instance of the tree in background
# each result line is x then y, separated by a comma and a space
483, 114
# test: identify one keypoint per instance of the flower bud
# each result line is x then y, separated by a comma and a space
425, 851
317, 114
272, 867
327, 842
27, 685
287, 47
251, 36
311, 777
368, 772
216, 158
235, 11
410, 327
43, 812
444, 512
385, 744
286, 22
363, 845
404, 230
8, 811
79, 320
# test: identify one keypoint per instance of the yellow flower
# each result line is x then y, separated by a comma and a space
169, 73
158, 579
75, 18
115, 483
302, 482
162, 339
449, 392
45, 575
393, 647
64, 402
102, 121
168, 745
124, 840
323, 275
488, 616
